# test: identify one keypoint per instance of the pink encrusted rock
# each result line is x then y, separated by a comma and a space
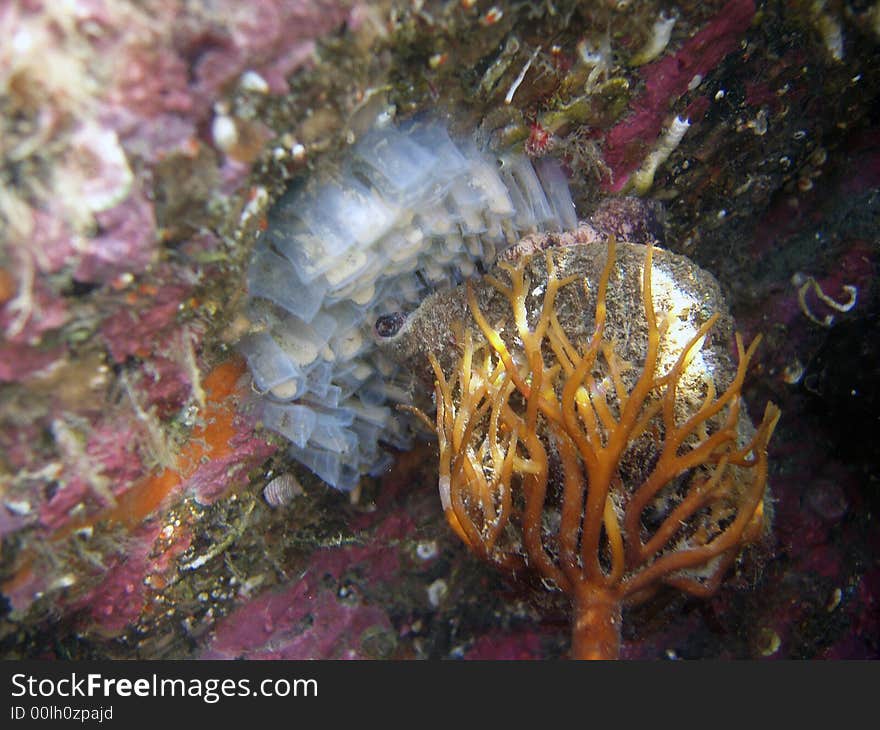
312, 619
166, 385
19, 361
53, 237
271, 37
119, 89
509, 646
34, 311
127, 243
136, 86
153, 83
167, 88
116, 596
151, 139
73, 496
151, 104
306, 620
137, 331
108, 465
122, 595
212, 479
25, 319
112, 444
109, 601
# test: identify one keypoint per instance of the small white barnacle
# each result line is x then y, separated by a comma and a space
282, 490
63, 581
793, 372
224, 131
252, 81
20, 508
661, 32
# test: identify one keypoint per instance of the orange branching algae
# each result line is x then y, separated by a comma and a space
532, 437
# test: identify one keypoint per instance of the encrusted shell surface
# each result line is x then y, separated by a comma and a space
683, 293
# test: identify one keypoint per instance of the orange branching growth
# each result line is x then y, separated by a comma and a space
533, 438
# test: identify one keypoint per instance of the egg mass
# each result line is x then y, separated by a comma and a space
342, 263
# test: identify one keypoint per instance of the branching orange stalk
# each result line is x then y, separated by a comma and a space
504, 416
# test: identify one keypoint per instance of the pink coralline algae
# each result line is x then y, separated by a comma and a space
496, 646
124, 592
126, 241
140, 331
46, 312
103, 480
211, 480
107, 464
19, 360
272, 37
303, 621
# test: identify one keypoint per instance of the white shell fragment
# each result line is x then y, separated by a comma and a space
282, 490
